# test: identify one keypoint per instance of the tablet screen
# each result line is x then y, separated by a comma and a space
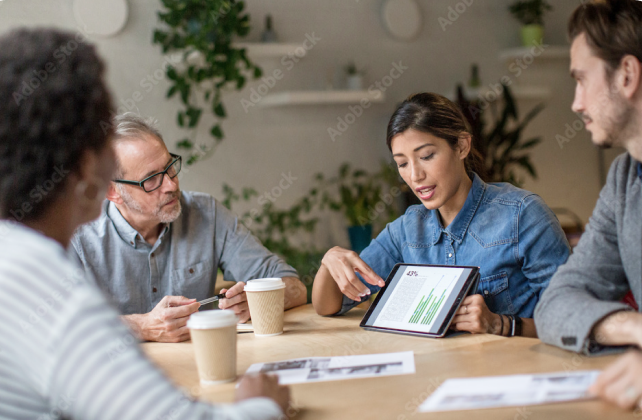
418, 298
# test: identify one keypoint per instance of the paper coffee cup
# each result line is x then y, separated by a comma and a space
265, 299
214, 341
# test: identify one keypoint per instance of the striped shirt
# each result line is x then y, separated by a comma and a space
64, 352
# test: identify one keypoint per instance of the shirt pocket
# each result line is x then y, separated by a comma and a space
193, 281
494, 289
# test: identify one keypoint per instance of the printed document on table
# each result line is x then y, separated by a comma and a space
317, 369
506, 391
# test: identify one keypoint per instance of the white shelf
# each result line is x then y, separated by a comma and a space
257, 50
321, 97
552, 52
271, 49
519, 93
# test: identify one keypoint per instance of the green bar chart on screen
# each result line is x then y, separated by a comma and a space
423, 303
430, 315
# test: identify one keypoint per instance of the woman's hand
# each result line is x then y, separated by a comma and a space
475, 317
342, 265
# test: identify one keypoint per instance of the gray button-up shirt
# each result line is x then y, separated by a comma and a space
183, 261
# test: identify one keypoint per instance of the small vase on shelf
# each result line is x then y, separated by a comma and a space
268, 34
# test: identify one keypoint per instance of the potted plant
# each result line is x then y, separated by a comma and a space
275, 227
502, 146
358, 197
531, 14
354, 77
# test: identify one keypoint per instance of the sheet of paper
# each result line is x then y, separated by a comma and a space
506, 391
317, 369
244, 327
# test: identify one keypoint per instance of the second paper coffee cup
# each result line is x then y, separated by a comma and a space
214, 339
265, 299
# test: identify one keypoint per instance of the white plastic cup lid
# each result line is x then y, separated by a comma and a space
264, 285
216, 318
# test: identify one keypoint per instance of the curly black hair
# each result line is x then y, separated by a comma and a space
54, 106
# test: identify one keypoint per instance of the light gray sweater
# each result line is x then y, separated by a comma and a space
605, 265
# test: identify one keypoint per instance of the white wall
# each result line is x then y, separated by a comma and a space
264, 142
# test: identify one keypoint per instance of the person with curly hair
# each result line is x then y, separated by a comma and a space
64, 352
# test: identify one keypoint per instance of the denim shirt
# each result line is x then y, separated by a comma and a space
509, 233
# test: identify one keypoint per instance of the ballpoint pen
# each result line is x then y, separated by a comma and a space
212, 299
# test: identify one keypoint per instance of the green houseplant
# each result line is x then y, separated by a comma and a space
202, 31
276, 227
358, 195
531, 15
502, 146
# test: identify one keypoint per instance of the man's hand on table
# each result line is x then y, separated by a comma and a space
166, 323
263, 385
621, 382
236, 300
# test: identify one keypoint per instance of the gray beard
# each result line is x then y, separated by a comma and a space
162, 215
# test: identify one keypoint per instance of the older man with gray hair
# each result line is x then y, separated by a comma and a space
155, 250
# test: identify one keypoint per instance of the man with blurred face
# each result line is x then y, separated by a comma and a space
582, 310
156, 250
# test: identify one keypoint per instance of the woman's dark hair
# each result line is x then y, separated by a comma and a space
54, 107
434, 114
613, 29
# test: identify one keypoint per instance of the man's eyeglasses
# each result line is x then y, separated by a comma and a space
154, 181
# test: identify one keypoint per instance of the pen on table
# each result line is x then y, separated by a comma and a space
212, 299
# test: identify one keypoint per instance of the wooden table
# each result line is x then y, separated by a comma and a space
392, 397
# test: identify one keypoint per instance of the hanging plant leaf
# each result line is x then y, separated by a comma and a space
204, 29
185, 144
219, 110
216, 132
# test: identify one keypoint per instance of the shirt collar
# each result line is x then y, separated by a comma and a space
457, 229
124, 229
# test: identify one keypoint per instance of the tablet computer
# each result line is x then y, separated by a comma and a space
420, 299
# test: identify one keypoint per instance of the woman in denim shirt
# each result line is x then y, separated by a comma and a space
510, 233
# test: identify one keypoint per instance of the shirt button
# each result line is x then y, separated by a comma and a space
191, 271
152, 255
486, 292
154, 290
450, 255
131, 242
